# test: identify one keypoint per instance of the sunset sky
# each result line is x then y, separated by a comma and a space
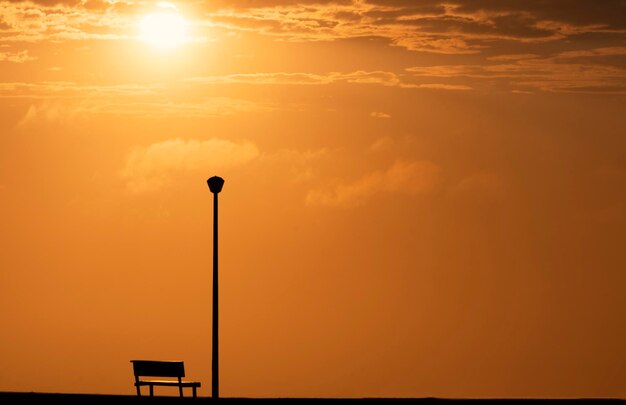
421, 198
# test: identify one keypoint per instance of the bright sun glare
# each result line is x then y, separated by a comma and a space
165, 29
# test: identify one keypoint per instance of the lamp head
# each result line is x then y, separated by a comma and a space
215, 184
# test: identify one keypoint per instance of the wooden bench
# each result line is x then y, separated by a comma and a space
153, 368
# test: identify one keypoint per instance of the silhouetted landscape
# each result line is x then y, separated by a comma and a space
48, 398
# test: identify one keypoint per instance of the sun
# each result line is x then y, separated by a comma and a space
164, 29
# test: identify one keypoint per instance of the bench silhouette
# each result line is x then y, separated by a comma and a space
155, 368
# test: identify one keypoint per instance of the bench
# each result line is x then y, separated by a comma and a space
153, 368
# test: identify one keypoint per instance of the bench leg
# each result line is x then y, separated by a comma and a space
180, 390
138, 391
151, 390
194, 391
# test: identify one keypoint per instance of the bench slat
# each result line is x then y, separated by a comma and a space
169, 382
152, 368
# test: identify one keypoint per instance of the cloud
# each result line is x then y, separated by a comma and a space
283, 78
47, 113
589, 53
403, 177
609, 13
381, 144
43, 21
445, 27
16, 57
440, 43
266, 78
440, 86
558, 46
72, 90
298, 166
590, 71
326, 21
247, 4
62, 101
379, 114
513, 57
216, 106
379, 77
149, 168
125, 99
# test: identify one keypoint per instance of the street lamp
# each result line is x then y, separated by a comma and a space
215, 185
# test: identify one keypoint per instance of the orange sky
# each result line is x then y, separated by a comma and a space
422, 198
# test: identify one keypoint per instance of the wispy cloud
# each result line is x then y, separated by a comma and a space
54, 100
16, 57
378, 77
73, 90
149, 168
46, 113
403, 177
379, 114
384, 78
590, 70
382, 143
440, 86
26, 21
266, 78
216, 106
56, 111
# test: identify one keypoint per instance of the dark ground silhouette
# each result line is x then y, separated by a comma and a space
53, 398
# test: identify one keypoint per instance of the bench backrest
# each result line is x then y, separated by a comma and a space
152, 368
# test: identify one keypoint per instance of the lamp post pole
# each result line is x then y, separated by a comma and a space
215, 185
